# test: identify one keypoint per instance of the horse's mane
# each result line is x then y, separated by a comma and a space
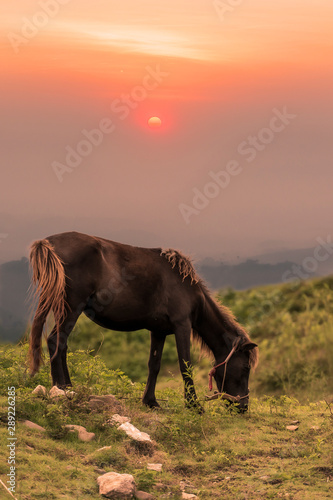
182, 263
185, 268
231, 325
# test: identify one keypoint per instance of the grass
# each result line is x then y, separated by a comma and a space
220, 454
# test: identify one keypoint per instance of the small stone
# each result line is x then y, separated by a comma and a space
185, 485
118, 419
188, 495
134, 433
104, 448
315, 427
114, 485
55, 392
292, 427
83, 434
40, 390
264, 478
142, 495
155, 467
31, 425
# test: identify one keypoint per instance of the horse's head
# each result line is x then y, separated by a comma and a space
232, 374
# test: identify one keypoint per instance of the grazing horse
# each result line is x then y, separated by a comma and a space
128, 288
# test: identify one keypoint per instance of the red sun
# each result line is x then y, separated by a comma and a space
154, 122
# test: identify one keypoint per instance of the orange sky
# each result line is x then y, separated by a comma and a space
221, 77
102, 42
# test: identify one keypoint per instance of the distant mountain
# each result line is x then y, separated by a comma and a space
14, 307
244, 275
268, 268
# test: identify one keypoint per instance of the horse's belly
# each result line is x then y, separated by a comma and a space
125, 323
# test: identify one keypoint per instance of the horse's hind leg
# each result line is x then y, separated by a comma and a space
65, 367
154, 364
59, 370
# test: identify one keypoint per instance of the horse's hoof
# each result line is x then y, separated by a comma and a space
153, 405
195, 407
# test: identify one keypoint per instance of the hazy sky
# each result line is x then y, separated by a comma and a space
241, 163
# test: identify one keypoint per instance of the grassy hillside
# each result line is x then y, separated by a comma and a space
220, 454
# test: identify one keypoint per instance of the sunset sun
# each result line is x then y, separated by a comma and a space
154, 122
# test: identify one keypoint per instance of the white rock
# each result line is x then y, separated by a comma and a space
188, 495
134, 433
118, 419
142, 495
292, 427
185, 484
105, 448
40, 391
156, 467
83, 434
31, 425
114, 485
55, 392
70, 394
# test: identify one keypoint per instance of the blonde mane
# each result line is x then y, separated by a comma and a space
182, 263
185, 268
232, 325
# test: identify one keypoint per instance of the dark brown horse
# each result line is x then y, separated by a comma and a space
128, 288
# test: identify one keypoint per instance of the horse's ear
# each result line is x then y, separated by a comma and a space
248, 346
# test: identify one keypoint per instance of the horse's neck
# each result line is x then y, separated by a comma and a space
214, 328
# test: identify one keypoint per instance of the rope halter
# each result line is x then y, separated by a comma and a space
225, 363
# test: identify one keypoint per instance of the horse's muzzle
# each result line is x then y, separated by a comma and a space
241, 401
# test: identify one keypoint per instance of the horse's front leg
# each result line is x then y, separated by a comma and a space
183, 342
154, 364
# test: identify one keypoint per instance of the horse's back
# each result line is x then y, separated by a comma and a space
97, 261
133, 284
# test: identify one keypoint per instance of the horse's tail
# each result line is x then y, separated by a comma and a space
49, 278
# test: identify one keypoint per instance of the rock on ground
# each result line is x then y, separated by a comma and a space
114, 485
55, 392
156, 467
40, 390
292, 427
134, 433
118, 419
83, 434
105, 448
31, 425
142, 495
